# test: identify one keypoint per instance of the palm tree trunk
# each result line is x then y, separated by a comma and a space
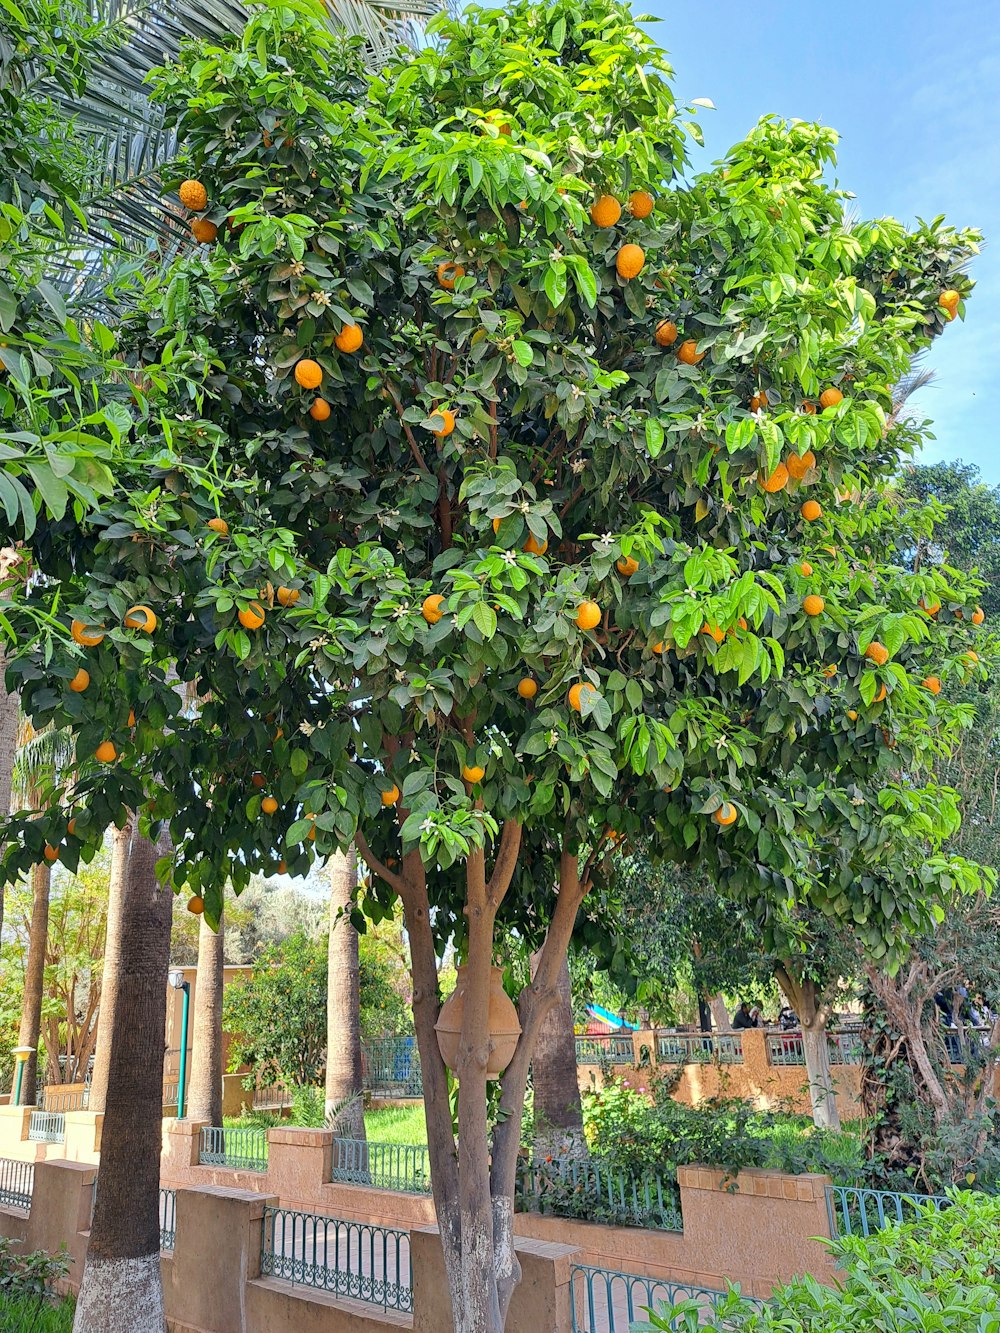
8, 746
112, 963
205, 1095
343, 1002
121, 1291
558, 1112
34, 979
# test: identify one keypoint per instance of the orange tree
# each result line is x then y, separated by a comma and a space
513, 496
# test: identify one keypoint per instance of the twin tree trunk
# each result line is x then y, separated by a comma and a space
204, 1097
558, 1111
343, 1004
806, 999
34, 979
121, 1290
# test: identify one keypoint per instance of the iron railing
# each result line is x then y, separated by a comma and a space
391, 1067
599, 1192
243, 1149
856, 1211
17, 1179
786, 1048
47, 1127
171, 1091
383, 1166
605, 1048
605, 1301
273, 1098
168, 1218
680, 1048
355, 1259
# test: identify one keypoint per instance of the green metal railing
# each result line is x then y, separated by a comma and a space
243, 1149
391, 1067
785, 1048
47, 1127
861, 1212
605, 1048
598, 1192
679, 1048
168, 1218
383, 1166
17, 1180
354, 1259
605, 1301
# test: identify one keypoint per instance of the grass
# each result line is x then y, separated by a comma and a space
397, 1124
18, 1315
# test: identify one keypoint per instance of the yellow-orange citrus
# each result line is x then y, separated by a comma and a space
390, 796
447, 422
688, 352
535, 547
713, 631
799, 464
431, 608
193, 195
881, 694
577, 693
642, 203
830, 671
80, 681
140, 617
852, 713
258, 780
630, 261
527, 687
106, 753
758, 401
349, 339
588, 615
930, 608
830, 397
196, 905
220, 526
725, 815
269, 805
85, 635
51, 853
932, 683
308, 374
811, 510
288, 596
605, 211
252, 616
813, 605
777, 481
978, 616
666, 333
203, 231
473, 773
320, 410
627, 565
805, 569
877, 652
448, 274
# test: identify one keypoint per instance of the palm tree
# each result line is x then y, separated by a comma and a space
205, 1095
121, 842
9, 709
343, 1003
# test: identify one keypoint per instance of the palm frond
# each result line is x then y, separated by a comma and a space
41, 758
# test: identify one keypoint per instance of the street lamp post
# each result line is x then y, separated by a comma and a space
20, 1054
176, 978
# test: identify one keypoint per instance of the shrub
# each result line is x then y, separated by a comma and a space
26, 1282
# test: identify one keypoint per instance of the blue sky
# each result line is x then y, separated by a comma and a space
914, 92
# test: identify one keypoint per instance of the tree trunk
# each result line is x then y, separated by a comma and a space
112, 963
343, 1003
121, 1291
805, 998
558, 1111
720, 1014
204, 1098
34, 979
9, 712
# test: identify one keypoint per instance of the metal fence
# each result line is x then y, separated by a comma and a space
594, 1190
785, 1048
168, 1218
244, 1149
605, 1048
17, 1179
390, 1067
607, 1302
680, 1048
861, 1212
273, 1098
364, 1262
47, 1127
384, 1166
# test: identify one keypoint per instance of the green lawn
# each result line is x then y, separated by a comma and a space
397, 1124
20, 1315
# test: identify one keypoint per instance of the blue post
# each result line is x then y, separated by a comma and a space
181, 1089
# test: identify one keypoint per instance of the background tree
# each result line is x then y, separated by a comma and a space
205, 1093
343, 1002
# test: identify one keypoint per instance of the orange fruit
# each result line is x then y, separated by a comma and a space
308, 373
282, 867
830, 397
193, 195
932, 683
813, 605
799, 464
80, 681
220, 526
588, 615
527, 687
71, 827
448, 274
688, 352
447, 422
535, 547
605, 211
666, 333
810, 408
880, 696
203, 231
758, 401
971, 657
642, 203
805, 569
830, 671
852, 713
85, 635
131, 717
577, 692
51, 853
258, 780
777, 481
811, 510
473, 773
626, 566
978, 616
431, 608
713, 631
252, 616
725, 815
390, 796
930, 608
349, 339
877, 652
948, 300
320, 410
656, 648
288, 596
140, 617
106, 753
630, 261
196, 905
269, 805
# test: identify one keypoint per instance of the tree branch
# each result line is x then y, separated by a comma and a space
379, 868
505, 863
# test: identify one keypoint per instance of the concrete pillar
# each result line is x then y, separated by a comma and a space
14, 1123
62, 1202
216, 1252
299, 1163
181, 1146
83, 1135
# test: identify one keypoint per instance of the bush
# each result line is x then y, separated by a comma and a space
26, 1282
938, 1273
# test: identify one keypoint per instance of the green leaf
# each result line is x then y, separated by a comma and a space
523, 352
654, 436
51, 488
485, 619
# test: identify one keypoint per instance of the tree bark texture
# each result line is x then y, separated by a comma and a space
343, 1003
120, 844
30, 1029
121, 1288
806, 999
558, 1111
9, 712
204, 1097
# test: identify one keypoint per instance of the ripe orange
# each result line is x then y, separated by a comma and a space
799, 464
948, 300
203, 231
51, 853
106, 753
71, 827
527, 687
220, 526
777, 481
308, 374
813, 605
288, 596
809, 408
252, 616
657, 648
448, 274
349, 339
282, 867
131, 717
630, 261
588, 615
713, 631
725, 815
805, 569
932, 683
642, 203
666, 333
577, 692
877, 652
830, 397
473, 773
269, 805
320, 410
830, 671
930, 608
535, 547
811, 510
85, 635
80, 681
978, 616
193, 195
196, 905
627, 566
447, 422
758, 401
852, 713
390, 796
688, 353
140, 617
605, 211
431, 608
880, 696
258, 780
971, 656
